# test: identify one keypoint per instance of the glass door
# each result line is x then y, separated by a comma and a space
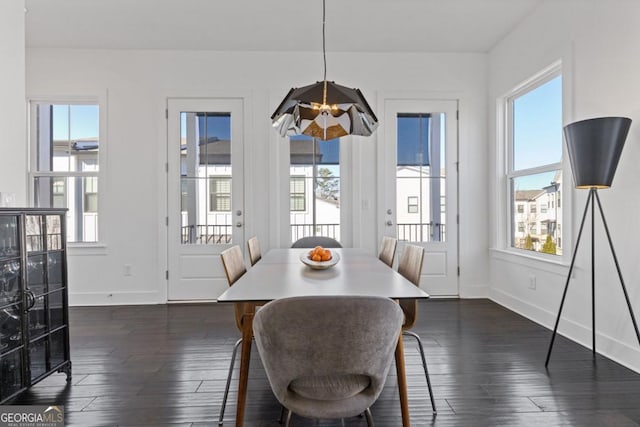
419, 205
205, 194
11, 308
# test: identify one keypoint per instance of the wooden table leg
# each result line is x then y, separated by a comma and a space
245, 358
402, 383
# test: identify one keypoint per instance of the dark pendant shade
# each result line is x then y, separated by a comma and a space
340, 111
595, 146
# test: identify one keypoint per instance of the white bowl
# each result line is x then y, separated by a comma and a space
319, 265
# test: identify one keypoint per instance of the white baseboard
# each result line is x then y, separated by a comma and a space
114, 298
474, 291
626, 354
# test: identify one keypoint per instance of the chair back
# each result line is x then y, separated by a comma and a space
388, 250
234, 268
313, 241
327, 356
254, 250
410, 266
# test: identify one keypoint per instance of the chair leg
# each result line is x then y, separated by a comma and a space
367, 413
226, 389
289, 414
424, 365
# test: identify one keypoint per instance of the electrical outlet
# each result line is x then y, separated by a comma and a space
532, 282
127, 269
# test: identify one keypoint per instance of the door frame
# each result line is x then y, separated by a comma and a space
385, 150
238, 104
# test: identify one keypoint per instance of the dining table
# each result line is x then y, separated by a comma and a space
282, 273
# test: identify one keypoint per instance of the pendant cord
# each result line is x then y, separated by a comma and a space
324, 52
324, 55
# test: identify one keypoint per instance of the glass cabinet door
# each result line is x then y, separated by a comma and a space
11, 308
9, 237
46, 316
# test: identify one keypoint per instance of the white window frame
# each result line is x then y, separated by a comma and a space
99, 246
539, 79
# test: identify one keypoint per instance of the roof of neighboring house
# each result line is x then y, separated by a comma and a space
527, 195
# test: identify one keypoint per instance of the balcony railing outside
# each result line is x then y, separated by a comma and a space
206, 234
421, 232
299, 231
221, 234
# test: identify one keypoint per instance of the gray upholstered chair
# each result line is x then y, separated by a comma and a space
313, 241
388, 250
253, 246
234, 268
327, 356
410, 266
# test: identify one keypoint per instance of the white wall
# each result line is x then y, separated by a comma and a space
13, 176
136, 85
598, 43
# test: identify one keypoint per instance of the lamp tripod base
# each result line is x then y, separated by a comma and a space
593, 195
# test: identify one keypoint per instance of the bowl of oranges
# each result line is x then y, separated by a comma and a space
319, 258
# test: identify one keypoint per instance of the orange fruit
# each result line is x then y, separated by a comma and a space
316, 257
326, 256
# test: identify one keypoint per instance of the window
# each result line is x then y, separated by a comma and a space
206, 177
412, 204
220, 194
64, 168
534, 153
421, 177
314, 187
298, 194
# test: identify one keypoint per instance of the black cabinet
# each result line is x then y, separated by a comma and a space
34, 331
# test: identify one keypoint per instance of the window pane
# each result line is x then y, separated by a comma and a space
536, 220
537, 126
66, 136
79, 195
421, 177
205, 175
314, 187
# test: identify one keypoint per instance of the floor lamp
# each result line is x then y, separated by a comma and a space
594, 148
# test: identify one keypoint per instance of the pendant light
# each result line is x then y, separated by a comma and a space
324, 110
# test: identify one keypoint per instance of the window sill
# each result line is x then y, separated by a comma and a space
86, 249
559, 267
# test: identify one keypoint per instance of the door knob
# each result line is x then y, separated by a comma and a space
238, 224
389, 223
238, 212
389, 211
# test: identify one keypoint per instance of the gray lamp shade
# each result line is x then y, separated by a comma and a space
595, 146
347, 112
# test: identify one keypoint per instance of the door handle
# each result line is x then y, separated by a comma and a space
32, 299
389, 223
238, 224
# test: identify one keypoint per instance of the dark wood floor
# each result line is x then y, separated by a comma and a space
167, 364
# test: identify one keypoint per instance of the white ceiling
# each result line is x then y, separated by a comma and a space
282, 25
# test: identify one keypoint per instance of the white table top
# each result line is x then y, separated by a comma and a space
281, 274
